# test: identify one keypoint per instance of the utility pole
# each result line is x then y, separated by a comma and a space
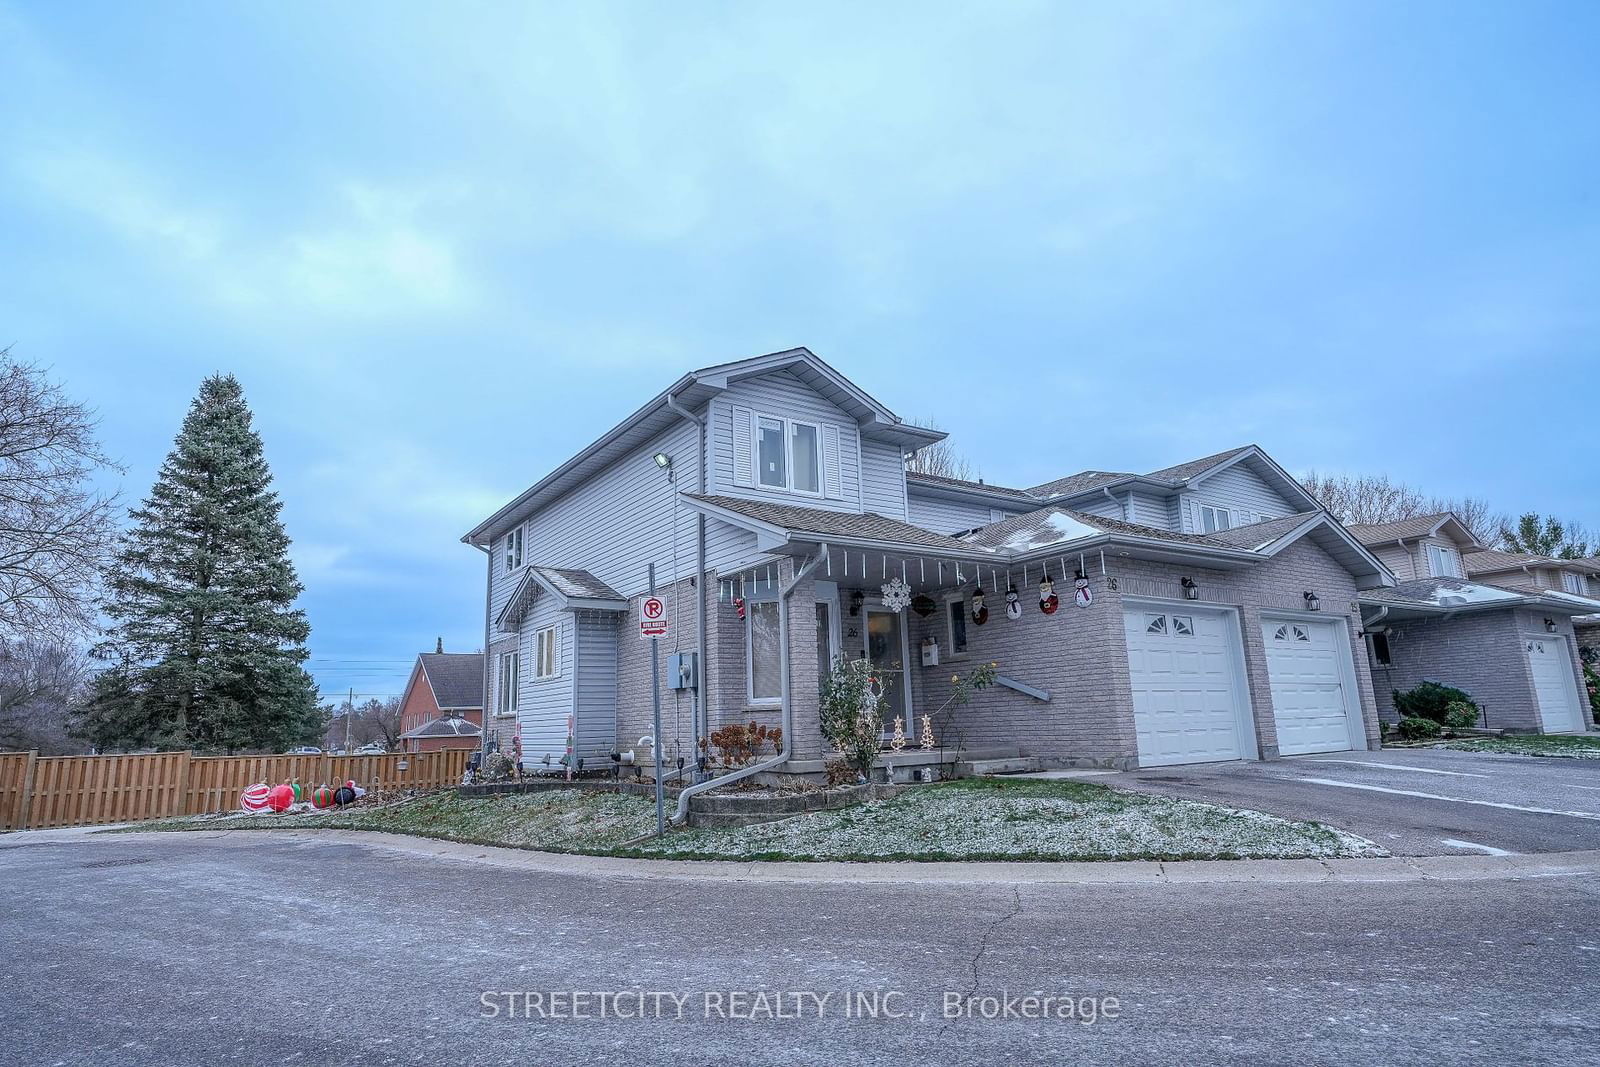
655, 700
349, 712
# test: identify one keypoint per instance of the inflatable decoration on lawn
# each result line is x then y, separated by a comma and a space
255, 797
280, 797
322, 797
348, 793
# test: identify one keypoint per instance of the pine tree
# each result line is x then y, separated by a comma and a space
207, 644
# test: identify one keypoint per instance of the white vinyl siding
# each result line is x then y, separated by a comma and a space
1242, 492
547, 652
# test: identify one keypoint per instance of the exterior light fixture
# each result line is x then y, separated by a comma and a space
402, 765
1313, 602
663, 461
1549, 626
1190, 590
857, 598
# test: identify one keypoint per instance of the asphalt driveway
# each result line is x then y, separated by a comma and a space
255, 949
1414, 802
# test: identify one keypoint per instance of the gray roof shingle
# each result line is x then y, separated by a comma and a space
575, 583
1377, 533
864, 525
1040, 528
1261, 533
962, 483
1184, 471
1077, 483
456, 678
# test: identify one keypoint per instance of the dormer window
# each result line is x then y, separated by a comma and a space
789, 454
1442, 562
1573, 583
1213, 519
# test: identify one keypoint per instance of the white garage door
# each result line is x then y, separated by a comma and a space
1186, 706
1309, 702
1554, 684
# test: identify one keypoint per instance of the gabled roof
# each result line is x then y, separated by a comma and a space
936, 481
445, 726
1182, 472
574, 590
1449, 596
1493, 561
1180, 476
1051, 526
1383, 533
691, 392
456, 678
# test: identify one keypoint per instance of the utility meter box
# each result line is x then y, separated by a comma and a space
683, 670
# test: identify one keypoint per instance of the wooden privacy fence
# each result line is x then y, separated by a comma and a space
37, 792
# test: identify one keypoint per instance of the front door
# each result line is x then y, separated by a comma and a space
886, 649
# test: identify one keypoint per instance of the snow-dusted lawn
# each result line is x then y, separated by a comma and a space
975, 819
1536, 745
1018, 819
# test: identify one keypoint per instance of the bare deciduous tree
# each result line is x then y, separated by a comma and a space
382, 719
1375, 498
40, 683
941, 459
57, 529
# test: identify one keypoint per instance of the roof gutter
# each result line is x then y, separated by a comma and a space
784, 690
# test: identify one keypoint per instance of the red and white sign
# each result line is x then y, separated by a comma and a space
652, 618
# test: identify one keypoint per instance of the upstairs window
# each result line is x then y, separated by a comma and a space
513, 550
789, 455
1442, 562
1213, 519
1573, 583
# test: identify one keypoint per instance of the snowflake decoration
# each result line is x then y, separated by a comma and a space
896, 594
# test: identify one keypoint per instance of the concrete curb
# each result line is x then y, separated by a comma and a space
1131, 872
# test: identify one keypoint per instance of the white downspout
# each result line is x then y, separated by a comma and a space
784, 681
1367, 624
702, 715
488, 597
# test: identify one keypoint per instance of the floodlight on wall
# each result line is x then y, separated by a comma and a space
663, 461
1191, 591
1313, 602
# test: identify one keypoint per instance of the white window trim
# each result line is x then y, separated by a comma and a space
506, 694
539, 673
950, 626
750, 659
513, 561
1570, 579
1216, 509
1441, 561
787, 434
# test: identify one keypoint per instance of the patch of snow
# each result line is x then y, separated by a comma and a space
1053, 529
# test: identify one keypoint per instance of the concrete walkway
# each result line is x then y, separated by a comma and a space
1392, 869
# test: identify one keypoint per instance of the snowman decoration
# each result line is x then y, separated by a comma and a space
1084, 596
980, 614
1048, 601
1013, 603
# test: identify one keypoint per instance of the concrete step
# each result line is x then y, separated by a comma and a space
1008, 765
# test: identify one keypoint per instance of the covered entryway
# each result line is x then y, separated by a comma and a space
1554, 684
1188, 704
1314, 709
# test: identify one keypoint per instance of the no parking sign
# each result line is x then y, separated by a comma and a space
652, 618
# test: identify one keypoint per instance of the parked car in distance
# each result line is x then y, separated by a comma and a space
371, 750
305, 750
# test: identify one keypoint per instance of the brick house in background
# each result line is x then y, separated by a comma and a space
443, 702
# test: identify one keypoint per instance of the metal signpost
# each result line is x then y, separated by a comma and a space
653, 627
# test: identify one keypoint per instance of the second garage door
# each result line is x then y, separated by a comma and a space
1554, 684
1310, 703
1186, 692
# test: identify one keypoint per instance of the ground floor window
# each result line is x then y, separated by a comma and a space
506, 703
762, 654
955, 610
1380, 649
824, 638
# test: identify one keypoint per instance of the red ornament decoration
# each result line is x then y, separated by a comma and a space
280, 797
322, 797
738, 605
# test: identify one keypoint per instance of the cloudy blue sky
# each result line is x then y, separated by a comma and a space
446, 245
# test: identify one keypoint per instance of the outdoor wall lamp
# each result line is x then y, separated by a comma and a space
663, 461
1190, 590
1549, 626
1313, 602
857, 598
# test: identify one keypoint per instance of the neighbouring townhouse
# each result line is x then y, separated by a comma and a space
1206, 611
442, 706
1496, 625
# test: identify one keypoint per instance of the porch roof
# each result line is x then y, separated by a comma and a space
779, 524
1457, 596
573, 589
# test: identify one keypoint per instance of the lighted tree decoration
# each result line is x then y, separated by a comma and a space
927, 730
897, 740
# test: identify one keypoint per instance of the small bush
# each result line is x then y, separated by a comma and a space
1591, 683
1431, 700
1416, 728
1460, 715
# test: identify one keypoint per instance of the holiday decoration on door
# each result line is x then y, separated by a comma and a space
1013, 603
1084, 596
980, 614
896, 595
1048, 601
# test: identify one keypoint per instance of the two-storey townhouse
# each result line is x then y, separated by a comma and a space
1206, 611
1473, 619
